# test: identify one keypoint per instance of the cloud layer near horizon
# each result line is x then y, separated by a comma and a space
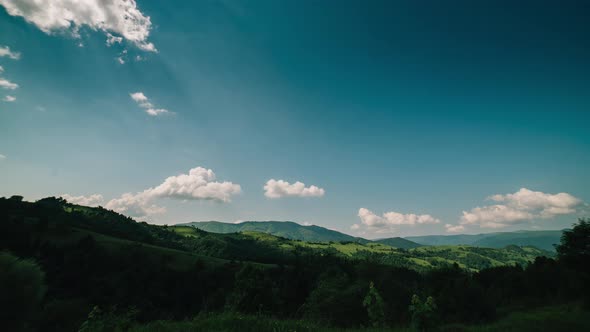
372, 224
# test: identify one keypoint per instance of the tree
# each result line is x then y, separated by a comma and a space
423, 313
375, 306
22, 288
574, 249
16, 198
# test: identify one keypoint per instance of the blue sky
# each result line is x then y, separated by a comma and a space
404, 116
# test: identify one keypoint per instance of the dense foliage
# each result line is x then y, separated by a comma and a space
103, 270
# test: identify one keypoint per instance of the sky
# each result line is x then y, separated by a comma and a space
374, 118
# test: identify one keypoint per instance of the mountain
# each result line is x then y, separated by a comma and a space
295, 231
399, 242
286, 229
541, 239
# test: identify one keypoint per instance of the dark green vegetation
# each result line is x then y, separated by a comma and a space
90, 269
419, 258
541, 239
399, 242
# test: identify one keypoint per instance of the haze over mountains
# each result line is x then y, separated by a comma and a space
545, 239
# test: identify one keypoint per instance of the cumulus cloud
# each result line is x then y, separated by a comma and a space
139, 97
92, 200
117, 19
5, 51
6, 84
9, 99
373, 223
199, 184
143, 102
280, 188
547, 205
521, 206
137, 205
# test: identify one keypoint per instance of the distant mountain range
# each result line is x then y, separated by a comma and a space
286, 229
541, 239
291, 230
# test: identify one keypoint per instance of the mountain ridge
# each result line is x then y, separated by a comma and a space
295, 231
542, 239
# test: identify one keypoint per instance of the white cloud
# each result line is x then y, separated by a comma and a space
113, 39
120, 17
6, 84
547, 205
92, 200
521, 206
454, 228
198, 184
143, 102
139, 97
280, 188
5, 51
495, 216
372, 223
135, 205
120, 60
9, 99
156, 111
2, 156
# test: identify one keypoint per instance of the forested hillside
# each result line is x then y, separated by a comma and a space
67, 268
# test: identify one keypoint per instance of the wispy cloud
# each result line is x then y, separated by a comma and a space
5, 50
9, 99
6, 84
118, 19
143, 102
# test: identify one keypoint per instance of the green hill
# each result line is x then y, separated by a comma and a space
399, 242
541, 239
286, 229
